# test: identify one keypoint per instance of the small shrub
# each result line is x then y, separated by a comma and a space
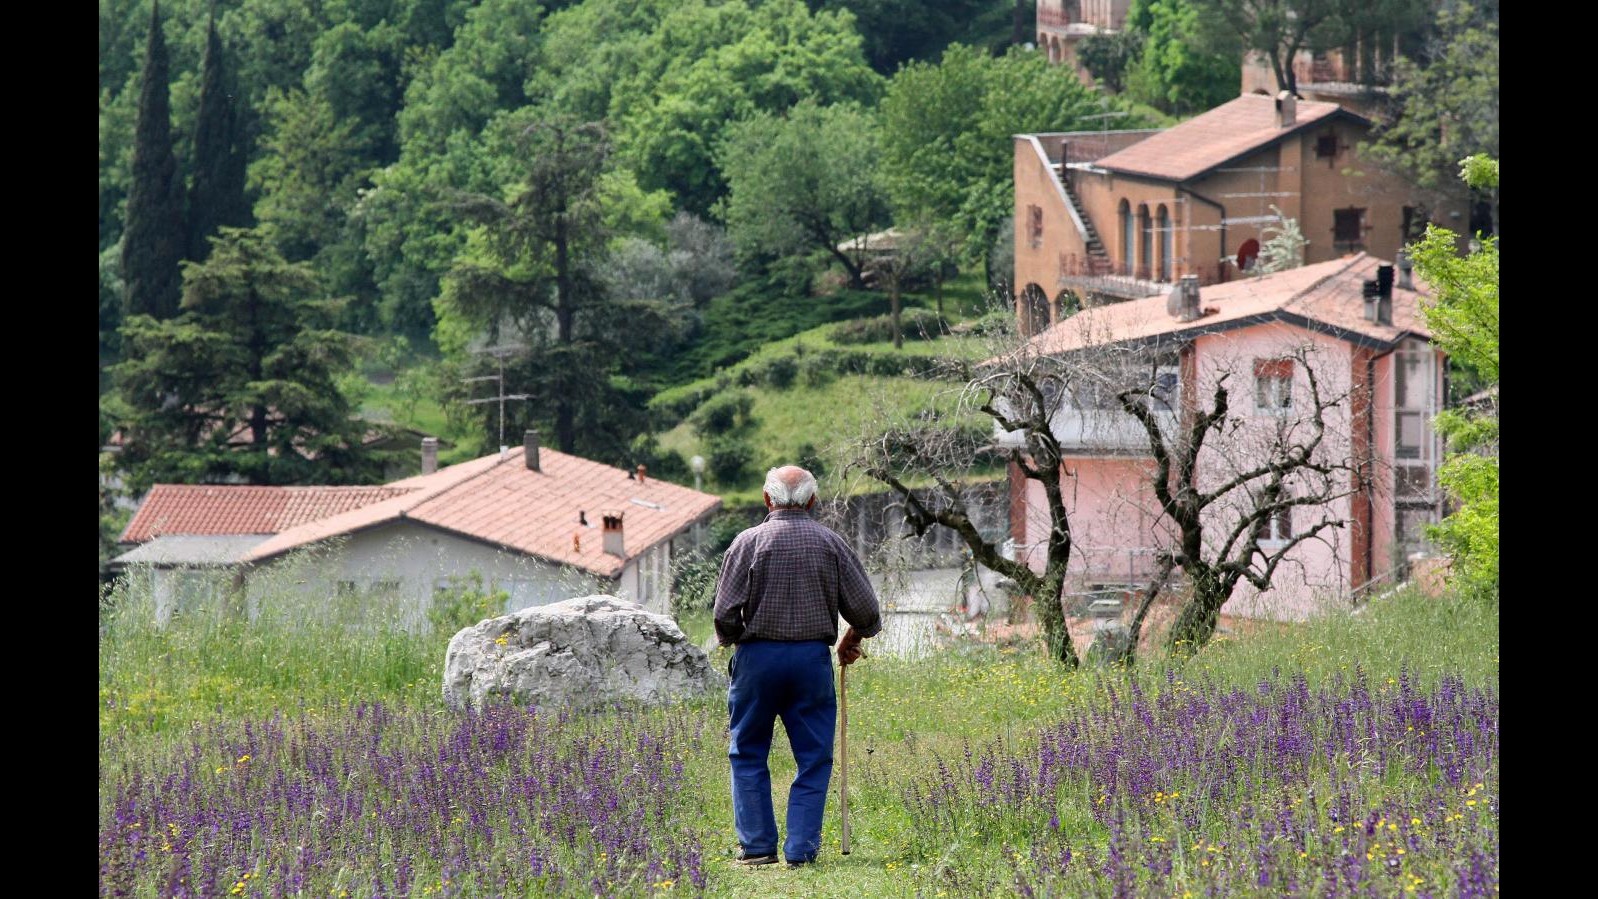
729, 459
817, 370
916, 324
722, 414
463, 604
781, 371
693, 589
810, 460
665, 464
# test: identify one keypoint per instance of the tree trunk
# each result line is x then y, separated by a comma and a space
1196, 623
1051, 615
565, 303
938, 289
1283, 79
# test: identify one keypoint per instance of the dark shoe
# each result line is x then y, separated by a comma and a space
801, 864
749, 861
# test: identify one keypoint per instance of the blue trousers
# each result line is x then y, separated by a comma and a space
793, 681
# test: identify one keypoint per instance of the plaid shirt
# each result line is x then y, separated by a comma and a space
787, 578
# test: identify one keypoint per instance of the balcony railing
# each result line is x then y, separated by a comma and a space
1096, 431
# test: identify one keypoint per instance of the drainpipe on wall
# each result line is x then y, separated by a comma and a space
1370, 486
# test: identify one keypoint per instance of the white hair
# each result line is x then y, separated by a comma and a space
792, 491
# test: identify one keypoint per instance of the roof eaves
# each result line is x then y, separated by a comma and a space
1202, 173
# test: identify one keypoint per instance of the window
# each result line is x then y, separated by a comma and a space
1413, 482
1347, 229
1326, 146
1276, 527
1273, 386
1034, 217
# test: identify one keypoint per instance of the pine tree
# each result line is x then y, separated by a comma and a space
216, 198
244, 383
152, 245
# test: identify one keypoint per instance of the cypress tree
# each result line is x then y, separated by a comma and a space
216, 198
152, 244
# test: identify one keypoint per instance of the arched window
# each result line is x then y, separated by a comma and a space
1145, 244
1162, 221
1126, 238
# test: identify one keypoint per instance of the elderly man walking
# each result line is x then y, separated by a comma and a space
782, 586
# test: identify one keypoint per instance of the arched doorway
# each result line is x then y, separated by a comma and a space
1145, 244
1034, 310
1127, 237
1162, 220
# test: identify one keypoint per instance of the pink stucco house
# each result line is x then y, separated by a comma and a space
1356, 323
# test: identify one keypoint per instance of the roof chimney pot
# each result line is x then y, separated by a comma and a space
642, 471
429, 455
1188, 303
612, 535
1405, 266
1384, 294
1286, 109
530, 450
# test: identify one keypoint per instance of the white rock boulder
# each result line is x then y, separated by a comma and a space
577, 653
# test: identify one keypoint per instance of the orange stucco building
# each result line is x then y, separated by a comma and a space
1121, 215
1062, 24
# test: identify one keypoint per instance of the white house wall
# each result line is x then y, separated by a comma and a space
1317, 571
411, 561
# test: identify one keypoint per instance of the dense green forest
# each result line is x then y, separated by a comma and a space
321, 220
589, 186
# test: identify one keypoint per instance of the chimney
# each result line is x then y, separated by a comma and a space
429, 455
530, 449
1384, 294
612, 535
1286, 109
1371, 293
1183, 302
1404, 268
642, 470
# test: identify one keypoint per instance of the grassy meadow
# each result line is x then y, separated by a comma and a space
308, 754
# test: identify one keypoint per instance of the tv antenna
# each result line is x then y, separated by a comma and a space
500, 354
1103, 119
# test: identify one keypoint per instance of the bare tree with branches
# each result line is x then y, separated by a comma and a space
1229, 487
1017, 395
1227, 496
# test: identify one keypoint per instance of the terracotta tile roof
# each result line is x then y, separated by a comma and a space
217, 509
1325, 296
1206, 141
533, 512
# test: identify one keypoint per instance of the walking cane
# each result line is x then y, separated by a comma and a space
843, 773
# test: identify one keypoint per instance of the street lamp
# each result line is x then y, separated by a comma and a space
697, 463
